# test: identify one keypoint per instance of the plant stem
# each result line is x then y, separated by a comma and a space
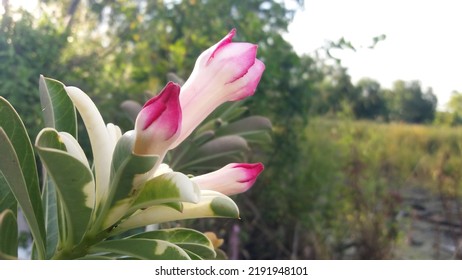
81, 249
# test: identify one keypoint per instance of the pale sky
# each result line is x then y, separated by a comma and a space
424, 39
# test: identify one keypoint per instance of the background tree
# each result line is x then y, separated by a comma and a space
23, 61
336, 94
455, 108
409, 103
453, 115
371, 102
455, 102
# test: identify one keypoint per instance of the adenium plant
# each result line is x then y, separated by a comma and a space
87, 209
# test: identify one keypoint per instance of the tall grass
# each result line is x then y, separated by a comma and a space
356, 176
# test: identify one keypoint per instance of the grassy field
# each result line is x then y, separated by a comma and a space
382, 191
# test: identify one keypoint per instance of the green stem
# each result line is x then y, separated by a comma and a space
81, 249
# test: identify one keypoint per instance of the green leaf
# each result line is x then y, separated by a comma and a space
97, 257
74, 184
166, 188
224, 207
229, 111
20, 171
144, 249
58, 110
7, 200
49, 138
178, 206
55, 219
204, 137
190, 240
255, 129
215, 154
49, 202
220, 255
193, 256
13, 176
212, 205
131, 108
126, 166
8, 233
224, 114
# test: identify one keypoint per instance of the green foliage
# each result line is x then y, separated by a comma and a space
455, 103
227, 135
188, 239
8, 235
355, 178
139, 248
58, 110
73, 181
335, 90
20, 173
160, 244
453, 116
23, 61
336, 96
371, 103
409, 103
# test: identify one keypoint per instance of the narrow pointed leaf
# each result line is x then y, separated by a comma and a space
14, 178
144, 249
131, 108
58, 110
101, 144
204, 137
248, 124
14, 138
225, 113
255, 129
228, 111
222, 146
8, 233
188, 239
216, 153
74, 184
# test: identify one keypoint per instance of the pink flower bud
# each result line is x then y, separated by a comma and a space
158, 124
225, 72
232, 179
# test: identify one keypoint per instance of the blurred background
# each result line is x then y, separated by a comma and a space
359, 164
